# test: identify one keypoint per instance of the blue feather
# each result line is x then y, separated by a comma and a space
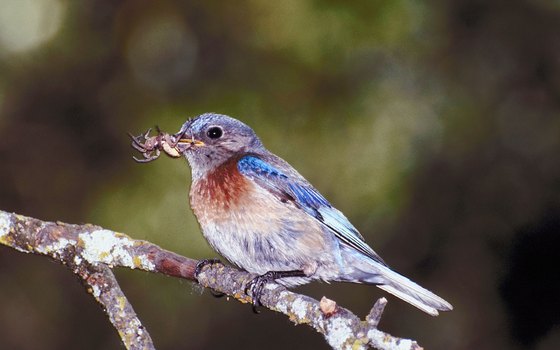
307, 198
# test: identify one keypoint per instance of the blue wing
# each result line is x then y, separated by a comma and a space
307, 198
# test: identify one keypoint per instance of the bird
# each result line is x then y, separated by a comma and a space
260, 214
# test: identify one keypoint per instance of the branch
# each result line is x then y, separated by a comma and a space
91, 252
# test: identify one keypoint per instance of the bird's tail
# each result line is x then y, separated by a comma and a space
412, 293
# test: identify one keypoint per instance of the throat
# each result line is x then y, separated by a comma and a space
222, 187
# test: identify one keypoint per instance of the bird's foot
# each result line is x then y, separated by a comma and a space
256, 285
200, 265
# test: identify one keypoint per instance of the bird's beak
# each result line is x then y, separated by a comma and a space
190, 142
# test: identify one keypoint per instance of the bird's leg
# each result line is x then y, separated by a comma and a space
257, 284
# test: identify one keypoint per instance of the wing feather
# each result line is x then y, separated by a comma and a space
307, 198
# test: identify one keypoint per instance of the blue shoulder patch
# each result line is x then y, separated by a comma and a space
251, 165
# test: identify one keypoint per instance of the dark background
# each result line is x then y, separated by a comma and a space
435, 127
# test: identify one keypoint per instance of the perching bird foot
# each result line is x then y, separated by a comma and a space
200, 265
257, 284
198, 269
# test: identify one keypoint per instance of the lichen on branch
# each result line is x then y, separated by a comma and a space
91, 252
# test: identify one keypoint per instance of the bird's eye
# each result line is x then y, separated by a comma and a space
214, 132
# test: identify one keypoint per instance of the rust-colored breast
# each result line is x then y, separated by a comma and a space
220, 190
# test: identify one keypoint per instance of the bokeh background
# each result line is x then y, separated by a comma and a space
434, 126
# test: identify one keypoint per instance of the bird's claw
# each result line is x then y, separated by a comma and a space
202, 263
256, 286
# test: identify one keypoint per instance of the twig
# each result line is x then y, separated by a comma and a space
91, 252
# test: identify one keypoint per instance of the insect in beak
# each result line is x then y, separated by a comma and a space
151, 146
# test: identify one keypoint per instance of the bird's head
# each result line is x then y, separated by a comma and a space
209, 140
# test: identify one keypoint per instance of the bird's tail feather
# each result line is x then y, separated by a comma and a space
412, 293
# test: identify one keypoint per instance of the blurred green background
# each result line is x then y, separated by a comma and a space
434, 126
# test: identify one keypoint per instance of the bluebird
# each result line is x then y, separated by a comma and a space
260, 214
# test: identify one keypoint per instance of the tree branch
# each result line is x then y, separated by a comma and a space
91, 252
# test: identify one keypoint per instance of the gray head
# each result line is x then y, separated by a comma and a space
215, 138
